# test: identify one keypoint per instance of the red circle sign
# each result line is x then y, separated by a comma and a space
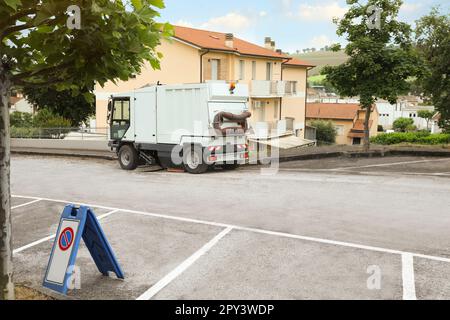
66, 239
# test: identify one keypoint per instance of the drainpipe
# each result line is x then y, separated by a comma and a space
306, 93
201, 64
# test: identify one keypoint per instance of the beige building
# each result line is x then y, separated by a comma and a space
348, 119
276, 81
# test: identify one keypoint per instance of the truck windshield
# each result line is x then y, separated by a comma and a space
120, 117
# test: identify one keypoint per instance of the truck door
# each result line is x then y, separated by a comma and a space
145, 116
119, 118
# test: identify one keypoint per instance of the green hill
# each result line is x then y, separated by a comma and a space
322, 58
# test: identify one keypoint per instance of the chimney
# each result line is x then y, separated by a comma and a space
229, 40
279, 51
268, 43
272, 45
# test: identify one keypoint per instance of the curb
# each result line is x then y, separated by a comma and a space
64, 155
369, 154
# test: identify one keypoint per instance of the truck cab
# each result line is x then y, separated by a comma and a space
195, 126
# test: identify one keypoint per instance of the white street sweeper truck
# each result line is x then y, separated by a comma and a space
195, 126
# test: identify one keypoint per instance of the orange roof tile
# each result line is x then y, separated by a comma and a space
339, 111
216, 41
297, 62
14, 100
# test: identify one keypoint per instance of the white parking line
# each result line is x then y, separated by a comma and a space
255, 230
161, 284
25, 204
409, 284
38, 242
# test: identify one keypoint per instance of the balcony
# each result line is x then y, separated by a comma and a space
272, 89
268, 129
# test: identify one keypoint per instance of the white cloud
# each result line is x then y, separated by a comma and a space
184, 23
231, 22
319, 12
320, 42
262, 14
410, 7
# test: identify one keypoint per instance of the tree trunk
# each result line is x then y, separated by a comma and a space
367, 128
6, 266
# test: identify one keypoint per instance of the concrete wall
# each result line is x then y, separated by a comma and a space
60, 144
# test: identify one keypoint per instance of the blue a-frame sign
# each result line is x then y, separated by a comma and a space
76, 224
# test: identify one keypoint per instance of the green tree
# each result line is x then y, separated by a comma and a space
326, 132
42, 45
427, 115
433, 42
74, 106
403, 124
381, 55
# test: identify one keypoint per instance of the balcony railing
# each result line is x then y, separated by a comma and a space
267, 129
263, 88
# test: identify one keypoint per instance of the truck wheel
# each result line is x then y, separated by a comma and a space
193, 161
128, 157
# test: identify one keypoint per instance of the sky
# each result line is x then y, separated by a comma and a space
293, 24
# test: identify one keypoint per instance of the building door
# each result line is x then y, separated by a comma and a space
214, 69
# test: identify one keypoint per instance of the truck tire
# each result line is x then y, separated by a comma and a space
193, 160
128, 157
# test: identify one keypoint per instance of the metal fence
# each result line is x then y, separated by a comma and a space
60, 133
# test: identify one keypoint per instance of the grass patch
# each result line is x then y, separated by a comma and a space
25, 293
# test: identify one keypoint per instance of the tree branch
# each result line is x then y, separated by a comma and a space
17, 16
22, 83
26, 26
41, 72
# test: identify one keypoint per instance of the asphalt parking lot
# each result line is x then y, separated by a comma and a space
317, 229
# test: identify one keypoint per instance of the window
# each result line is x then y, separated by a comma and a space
276, 110
241, 69
215, 69
339, 130
121, 110
269, 71
253, 70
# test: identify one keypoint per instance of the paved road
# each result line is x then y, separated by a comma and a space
398, 204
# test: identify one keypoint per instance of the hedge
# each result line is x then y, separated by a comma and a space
420, 137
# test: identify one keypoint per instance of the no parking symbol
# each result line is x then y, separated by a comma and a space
66, 239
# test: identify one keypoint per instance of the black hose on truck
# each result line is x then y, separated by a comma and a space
241, 119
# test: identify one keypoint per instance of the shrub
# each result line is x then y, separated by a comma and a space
421, 137
45, 125
21, 119
47, 119
25, 133
326, 132
403, 124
